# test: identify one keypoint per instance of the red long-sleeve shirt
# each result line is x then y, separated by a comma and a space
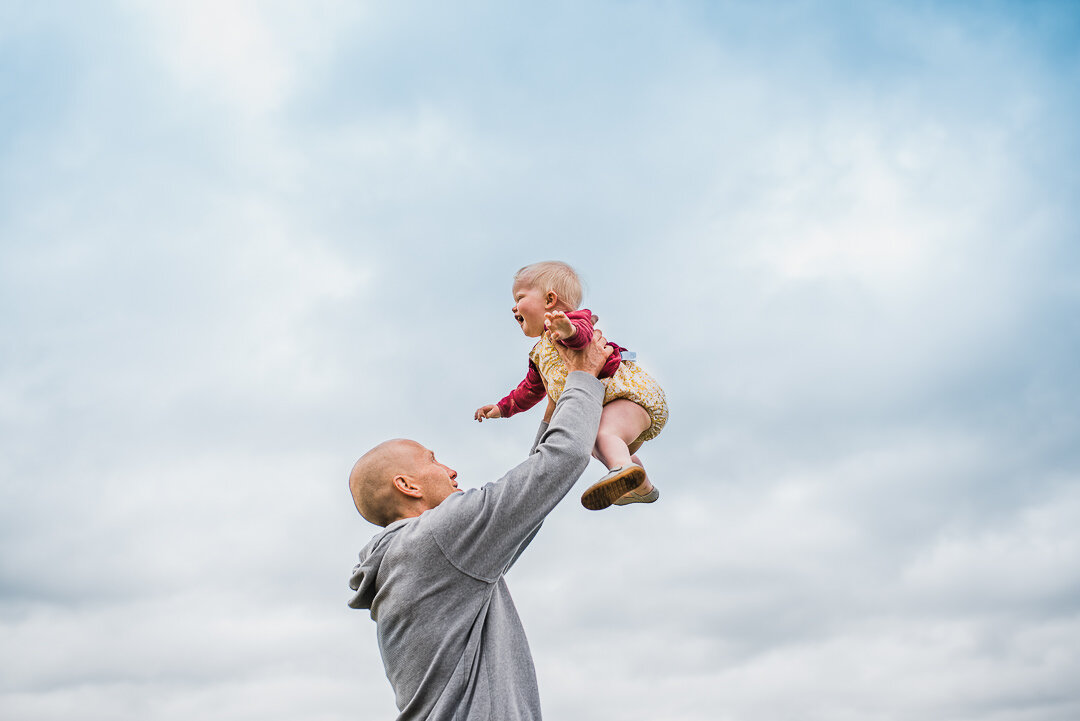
531, 390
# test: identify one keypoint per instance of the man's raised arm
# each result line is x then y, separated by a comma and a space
485, 528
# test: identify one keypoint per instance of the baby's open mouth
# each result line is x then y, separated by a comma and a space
519, 319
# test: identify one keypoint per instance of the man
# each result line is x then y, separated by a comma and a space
450, 637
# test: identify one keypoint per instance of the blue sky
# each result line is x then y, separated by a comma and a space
242, 242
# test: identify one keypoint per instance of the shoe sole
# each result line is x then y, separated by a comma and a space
606, 491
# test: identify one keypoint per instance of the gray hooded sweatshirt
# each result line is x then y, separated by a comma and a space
450, 638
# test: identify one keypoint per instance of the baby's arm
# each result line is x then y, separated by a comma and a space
527, 394
573, 332
491, 410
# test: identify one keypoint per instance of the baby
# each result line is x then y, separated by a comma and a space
546, 299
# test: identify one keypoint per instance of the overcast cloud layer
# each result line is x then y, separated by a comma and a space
241, 242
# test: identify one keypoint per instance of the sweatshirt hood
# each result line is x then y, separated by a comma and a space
365, 575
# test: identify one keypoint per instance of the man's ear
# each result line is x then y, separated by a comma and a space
406, 486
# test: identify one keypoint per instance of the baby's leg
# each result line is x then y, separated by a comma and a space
621, 422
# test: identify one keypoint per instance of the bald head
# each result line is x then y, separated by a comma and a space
372, 479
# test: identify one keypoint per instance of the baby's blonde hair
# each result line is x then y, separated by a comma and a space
552, 275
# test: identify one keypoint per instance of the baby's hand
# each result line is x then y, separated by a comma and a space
559, 326
488, 411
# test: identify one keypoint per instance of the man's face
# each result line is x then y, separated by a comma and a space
436, 480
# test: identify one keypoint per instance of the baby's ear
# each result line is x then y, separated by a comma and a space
551, 299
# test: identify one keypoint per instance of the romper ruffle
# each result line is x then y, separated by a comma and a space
630, 382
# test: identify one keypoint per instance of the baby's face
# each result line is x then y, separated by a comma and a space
529, 310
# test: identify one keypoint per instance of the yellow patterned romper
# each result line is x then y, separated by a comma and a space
629, 382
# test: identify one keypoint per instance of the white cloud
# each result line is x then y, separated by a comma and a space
246, 56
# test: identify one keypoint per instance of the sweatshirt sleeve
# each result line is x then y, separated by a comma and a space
481, 531
527, 394
528, 539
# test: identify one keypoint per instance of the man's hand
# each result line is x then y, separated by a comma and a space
590, 359
559, 327
488, 411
